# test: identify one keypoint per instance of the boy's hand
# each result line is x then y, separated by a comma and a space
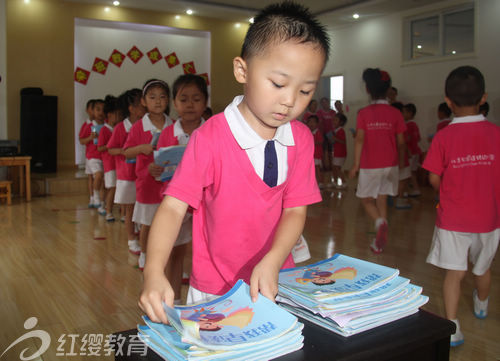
264, 279
147, 149
156, 289
352, 172
155, 170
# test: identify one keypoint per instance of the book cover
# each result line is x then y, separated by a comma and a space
168, 158
155, 135
96, 129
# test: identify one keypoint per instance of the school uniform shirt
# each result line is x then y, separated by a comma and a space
318, 148
413, 137
326, 120
381, 124
124, 171
466, 154
339, 149
235, 213
147, 188
84, 133
443, 123
91, 151
108, 160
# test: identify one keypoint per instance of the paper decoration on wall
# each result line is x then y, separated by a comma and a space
135, 54
117, 58
189, 68
172, 60
154, 55
81, 75
205, 76
100, 66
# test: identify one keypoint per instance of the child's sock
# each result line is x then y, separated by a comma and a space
379, 221
97, 197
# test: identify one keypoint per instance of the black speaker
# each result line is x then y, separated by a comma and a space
39, 130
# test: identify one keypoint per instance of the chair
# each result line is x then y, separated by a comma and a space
5, 184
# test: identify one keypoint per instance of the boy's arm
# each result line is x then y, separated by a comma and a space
358, 147
102, 148
265, 274
86, 140
115, 151
162, 235
434, 180
133, 152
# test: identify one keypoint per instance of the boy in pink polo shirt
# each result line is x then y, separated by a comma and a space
250, 188
464, 166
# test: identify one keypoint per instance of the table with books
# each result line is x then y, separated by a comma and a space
341, 308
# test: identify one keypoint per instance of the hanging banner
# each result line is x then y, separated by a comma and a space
172, 60
154, 55
135, 54
189, 68
81, 75
117, 58
100, 66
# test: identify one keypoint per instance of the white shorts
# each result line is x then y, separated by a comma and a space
186, 231
110, 179
377, 181
194, 296
144, 213
87, 167
125, 192
339, 162
317, 162
404, 173
415, 162
95, 166
449, 250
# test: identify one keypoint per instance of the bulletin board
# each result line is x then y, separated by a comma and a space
111, 57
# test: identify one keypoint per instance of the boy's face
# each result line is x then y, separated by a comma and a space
407, 114
312, 124
114, 118
325, 104
336, 122
99, 112
279, 83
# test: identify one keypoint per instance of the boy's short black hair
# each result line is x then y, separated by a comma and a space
398, 105
281, 22
90, 103
465, 86
342, 119
445, 109
111, 104
484, 108
410, 107
313, 117
98, 101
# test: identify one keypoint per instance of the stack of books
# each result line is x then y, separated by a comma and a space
347, 295
230, 327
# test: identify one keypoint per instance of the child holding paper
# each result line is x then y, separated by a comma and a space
248, 173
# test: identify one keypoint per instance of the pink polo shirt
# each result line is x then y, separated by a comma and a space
466, 154
326, 120
91, 151
235, 213
84, 133
339, 149
381, 124
147, 188
442, 124
413, 137
318, 144
108, 160
124, 171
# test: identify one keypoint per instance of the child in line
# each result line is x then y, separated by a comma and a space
140, 144
402, 201
444, 114
313, 124
86, 138
133, 110
190, 95
95, 161
339, 153
113, 116
464, 165
326, 115
339, 107
312, 109
248, 173
378, 149
413, 133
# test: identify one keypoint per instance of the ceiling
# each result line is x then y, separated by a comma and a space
332, 12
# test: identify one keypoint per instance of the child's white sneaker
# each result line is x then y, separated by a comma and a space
300, 252
480, 307
101, 210
142, 261
91, 202
134, 247
110, 217
373, 246
457, 338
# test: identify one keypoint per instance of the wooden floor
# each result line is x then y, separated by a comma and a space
63, 264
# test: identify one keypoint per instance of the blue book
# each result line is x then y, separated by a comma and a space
96, 129
168, 158
155, 135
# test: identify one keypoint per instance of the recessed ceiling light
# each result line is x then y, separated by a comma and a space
26, 1
251, 20
177, 17
419, 46
106, 9
355, 16
189, 12
237, 25
453, 52
116, 3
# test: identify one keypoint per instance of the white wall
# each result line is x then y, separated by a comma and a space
378, 43
95, 38
3, 70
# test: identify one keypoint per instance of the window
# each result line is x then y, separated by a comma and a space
336, 90
445, 33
